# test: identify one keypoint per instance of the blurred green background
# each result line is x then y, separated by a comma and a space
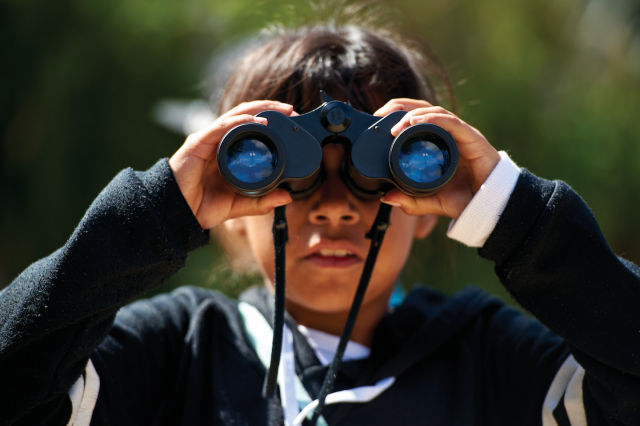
554, 82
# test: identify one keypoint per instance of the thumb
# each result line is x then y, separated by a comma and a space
413, 206
274, 199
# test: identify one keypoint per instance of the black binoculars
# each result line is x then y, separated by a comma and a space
255, 159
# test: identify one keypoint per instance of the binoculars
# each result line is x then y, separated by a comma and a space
255, 159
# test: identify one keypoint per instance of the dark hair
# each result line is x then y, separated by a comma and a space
363, 67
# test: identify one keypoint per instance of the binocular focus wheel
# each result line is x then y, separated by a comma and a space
335, 117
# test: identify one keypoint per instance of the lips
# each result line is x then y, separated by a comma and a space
338, 256
336, 252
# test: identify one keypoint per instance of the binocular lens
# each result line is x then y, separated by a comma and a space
252, 158
424, 157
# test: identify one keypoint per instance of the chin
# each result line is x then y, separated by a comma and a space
332, 298
327, 301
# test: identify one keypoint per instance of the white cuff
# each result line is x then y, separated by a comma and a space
480, 217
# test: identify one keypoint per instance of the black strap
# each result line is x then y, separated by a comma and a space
280, 238
376, 234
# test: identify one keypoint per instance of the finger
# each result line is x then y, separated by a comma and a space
293, 114
222, 125
252, 206
401, 104
256, 107
409, 118
472, 145
461, 132
414, 206
274, 199
204, 144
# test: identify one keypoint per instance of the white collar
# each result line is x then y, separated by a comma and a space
325, 345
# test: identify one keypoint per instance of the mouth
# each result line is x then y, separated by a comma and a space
333, 258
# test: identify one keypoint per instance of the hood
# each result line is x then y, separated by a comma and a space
424, 321
407, 334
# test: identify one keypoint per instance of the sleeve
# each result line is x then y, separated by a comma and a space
135, 235
551, 256
480, 217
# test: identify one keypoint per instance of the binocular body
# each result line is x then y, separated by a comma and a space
255, 159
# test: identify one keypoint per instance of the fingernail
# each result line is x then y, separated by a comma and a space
415, 120
395, 129
260, 120
391, 203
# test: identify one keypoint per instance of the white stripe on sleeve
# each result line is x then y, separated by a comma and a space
573, 402
568, 382
83, 395
75, 395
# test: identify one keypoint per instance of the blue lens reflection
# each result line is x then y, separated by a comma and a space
424, 158
251, 160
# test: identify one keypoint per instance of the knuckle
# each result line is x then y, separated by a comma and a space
455, 120
223, 122
430, 117
263, 208
434, 117
415, 113
415, 207
194, 139
233, 121
410, 210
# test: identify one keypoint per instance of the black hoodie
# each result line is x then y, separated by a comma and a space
184, 357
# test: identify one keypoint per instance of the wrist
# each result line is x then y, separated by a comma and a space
171, 207
488, 163
481, 215
181, 173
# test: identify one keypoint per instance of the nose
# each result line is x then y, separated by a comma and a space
333, 203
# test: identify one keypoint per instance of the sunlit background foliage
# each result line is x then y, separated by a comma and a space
84, 86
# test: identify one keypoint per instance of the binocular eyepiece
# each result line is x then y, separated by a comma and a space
255, 159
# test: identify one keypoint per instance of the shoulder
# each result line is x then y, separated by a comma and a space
427, 305
471, 312
177, 311
429, 322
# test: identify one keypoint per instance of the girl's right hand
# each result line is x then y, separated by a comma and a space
195, 168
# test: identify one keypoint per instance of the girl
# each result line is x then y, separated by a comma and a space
195, 357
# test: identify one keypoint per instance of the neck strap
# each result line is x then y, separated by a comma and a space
280, 237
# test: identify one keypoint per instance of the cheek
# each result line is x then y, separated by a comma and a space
261, 243
395, 247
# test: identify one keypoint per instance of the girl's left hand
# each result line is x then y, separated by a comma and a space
477, 160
